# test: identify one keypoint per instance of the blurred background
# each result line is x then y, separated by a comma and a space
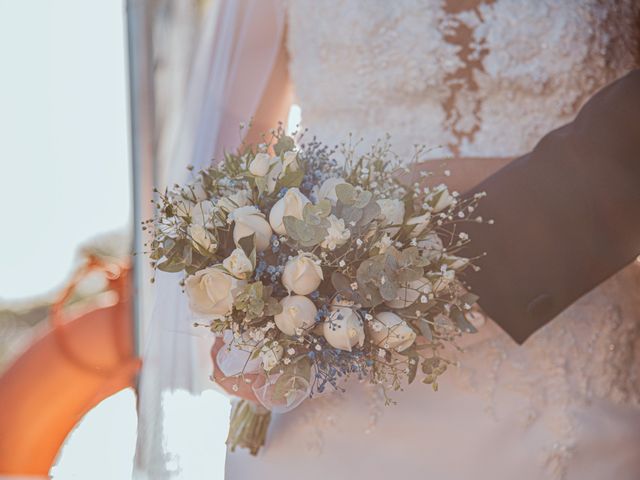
65, 158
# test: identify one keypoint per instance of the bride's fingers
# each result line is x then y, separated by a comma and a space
236, 386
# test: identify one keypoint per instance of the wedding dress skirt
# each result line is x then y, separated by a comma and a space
488, 80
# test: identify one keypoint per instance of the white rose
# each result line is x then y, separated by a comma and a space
343, 329
238, 264
440, 198
297, 312
391, 332
409, 293
291, 205
236, 200
302, 275
260, 164
393, 212
271, 355
421, 222
201, 239
337, 233
328, 189
290, 159
249, 220
211, 292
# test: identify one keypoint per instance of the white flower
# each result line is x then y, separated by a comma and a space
328, 189
409, 293
201, 239
238, 264
291, 205
249, 220
440, 198
271, 355
337, 233
211, 292
297, 312
236, 200
421, 222
290, 160
343, 329
302, 275
392, 332
392, 210
260, 164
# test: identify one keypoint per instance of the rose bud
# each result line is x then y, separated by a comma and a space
298, 312
291, 205
211, 292
390, 331
302, 274
343, 329
249, 220
238, 264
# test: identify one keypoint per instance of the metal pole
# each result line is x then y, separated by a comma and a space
142, 141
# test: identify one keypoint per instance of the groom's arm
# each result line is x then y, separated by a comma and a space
567, 215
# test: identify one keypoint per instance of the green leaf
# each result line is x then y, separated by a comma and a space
346, 193
425, 329
284, 144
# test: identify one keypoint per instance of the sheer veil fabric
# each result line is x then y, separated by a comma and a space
234, 56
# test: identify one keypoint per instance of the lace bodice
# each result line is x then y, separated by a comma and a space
489, 79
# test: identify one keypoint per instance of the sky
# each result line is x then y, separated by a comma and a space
64, 153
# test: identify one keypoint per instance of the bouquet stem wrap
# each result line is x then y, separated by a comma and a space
248, 428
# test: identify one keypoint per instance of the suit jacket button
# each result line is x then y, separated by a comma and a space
540, 306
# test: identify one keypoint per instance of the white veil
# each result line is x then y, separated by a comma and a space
235, 54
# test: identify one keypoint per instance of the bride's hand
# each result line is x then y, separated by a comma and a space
464, 172
227, 383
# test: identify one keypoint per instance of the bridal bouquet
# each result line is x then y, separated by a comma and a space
316, 265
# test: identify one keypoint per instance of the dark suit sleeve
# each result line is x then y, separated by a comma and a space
567, 215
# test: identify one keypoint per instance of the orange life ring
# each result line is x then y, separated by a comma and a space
63, 374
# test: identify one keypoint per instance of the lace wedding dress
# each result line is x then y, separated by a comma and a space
489, 79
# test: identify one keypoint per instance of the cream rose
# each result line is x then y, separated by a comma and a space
392, 210
271, 355
343, 329
302, 274
211, 292
298, 312
201, 239
390, 331
249, 220
238, 264
409, 293
328, 189
337, 233
260, 164
291, 205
